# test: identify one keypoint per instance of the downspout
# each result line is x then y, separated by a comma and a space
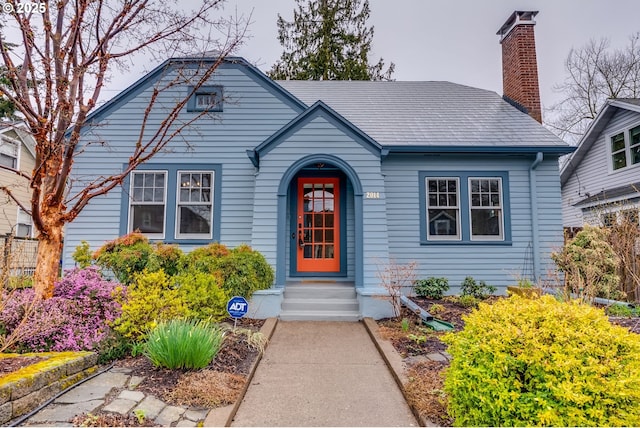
535, 228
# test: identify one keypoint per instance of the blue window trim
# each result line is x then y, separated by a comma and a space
171, 207
465, 222
205, 90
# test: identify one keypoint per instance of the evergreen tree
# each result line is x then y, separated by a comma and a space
328, 40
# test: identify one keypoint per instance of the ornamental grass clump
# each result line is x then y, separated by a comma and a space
183, 344
542, 362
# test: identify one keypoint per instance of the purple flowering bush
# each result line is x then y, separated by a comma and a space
77, 317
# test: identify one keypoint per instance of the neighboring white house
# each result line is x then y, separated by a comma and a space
601, 180
17, 151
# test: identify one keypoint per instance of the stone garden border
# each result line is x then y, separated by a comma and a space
24, 390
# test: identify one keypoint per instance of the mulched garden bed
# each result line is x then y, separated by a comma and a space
424, 389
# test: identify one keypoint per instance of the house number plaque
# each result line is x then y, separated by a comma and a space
372, 195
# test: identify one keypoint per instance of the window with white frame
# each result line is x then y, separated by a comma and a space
464, 207
194, 204
9, 153
24, 225
147, 208
625, 148
443, 208
486, 208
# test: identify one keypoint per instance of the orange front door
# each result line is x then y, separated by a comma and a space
318, 221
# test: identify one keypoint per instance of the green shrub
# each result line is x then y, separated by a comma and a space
183, 344
167, 257
82, 255
125, 256
621, 310
202, 295
590, 265
242, 269
468, 301
478, 290
432, 288
543, 362
150, 298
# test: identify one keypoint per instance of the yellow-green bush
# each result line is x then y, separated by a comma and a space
541, 362
202, 294
151, 297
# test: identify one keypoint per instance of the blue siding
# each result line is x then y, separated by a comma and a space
251, 114
496, 264
321, 136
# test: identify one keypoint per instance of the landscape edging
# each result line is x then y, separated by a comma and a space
393, 360
223, 416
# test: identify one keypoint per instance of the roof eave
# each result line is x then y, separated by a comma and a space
559, 150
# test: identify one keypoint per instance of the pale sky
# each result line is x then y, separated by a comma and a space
452, 40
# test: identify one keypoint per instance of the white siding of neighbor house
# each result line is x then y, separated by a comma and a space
594, 173
321, 137
251, 114
499, 265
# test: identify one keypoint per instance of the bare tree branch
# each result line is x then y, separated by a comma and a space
65, 53
595, 73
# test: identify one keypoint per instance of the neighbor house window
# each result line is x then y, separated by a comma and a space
206, 98
147, 207
625, 148
486, 208
634, 139
9, 153
443, 209
24, 225
195, 204
460, 207
618, 151
609, 219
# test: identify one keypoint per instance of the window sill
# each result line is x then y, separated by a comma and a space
186, 241
481, 243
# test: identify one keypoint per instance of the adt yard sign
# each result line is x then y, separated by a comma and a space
237, 307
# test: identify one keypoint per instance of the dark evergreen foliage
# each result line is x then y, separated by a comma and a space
328, 40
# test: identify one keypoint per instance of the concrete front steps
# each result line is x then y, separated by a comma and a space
320, 300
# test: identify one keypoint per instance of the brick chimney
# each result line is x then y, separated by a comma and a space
519, 64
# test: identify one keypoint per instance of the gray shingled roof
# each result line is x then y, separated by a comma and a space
616, 192
426, 113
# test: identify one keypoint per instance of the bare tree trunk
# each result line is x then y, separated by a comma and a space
48, 262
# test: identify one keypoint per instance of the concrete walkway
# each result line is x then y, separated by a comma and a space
323, 374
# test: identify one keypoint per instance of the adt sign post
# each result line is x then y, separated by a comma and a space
237, 307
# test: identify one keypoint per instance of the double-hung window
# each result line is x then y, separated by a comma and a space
625, 148
464, 207
148, 196
486, 208
443, 208
194, 211
9, 153
173, 203
24, 226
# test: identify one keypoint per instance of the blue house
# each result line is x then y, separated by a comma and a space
332, 180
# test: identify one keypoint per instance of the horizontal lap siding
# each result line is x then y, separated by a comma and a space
251, 114
593, 173
322, 137
496, 264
